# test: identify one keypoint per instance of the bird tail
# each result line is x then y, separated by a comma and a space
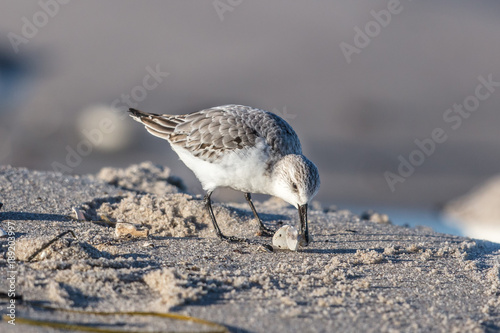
138, 114
161, 126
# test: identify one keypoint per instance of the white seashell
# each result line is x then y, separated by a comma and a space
286, 238
279, 238
79, 214
292, 238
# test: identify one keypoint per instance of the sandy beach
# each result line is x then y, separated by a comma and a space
356, 276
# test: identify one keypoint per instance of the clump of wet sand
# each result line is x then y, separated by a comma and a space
144, 177
156, 200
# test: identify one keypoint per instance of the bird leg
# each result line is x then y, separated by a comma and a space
208, 205
264, 231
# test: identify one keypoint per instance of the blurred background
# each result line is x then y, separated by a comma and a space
358, 81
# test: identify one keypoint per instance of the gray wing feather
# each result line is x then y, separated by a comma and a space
209, 133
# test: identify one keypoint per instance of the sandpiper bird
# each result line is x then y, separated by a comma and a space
243, 148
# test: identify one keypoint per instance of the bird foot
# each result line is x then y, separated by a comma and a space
233, 239
265, 232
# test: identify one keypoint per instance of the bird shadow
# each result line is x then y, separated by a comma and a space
265, 217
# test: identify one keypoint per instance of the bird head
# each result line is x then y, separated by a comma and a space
296, 180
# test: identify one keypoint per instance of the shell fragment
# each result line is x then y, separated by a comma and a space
123, 229
286, 238
79, 214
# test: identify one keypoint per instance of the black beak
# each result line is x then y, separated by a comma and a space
304, 228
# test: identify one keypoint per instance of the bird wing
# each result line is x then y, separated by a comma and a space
210, 133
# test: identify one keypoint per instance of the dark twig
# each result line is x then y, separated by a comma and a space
46, 245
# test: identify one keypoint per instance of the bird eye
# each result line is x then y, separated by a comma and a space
294, 187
